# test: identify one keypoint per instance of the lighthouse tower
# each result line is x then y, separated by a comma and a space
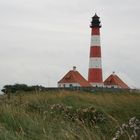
95, 64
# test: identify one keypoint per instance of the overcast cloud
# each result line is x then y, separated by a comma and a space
40, 40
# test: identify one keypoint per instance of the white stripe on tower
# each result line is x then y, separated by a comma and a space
95, 40
95, 64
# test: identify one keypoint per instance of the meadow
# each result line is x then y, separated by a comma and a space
70, 115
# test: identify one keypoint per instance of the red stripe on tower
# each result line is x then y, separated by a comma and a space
95, 64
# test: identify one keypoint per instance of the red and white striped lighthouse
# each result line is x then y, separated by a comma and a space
95, 64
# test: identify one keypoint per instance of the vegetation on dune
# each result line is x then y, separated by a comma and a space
66, 115
16, 88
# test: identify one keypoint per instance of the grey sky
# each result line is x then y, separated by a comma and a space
40, 40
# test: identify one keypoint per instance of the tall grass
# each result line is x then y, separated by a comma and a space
28, 116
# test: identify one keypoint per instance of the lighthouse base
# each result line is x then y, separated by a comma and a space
97, 84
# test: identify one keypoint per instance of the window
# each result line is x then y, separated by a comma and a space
70, 85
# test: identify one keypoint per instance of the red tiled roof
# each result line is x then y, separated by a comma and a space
115, 80
74, 76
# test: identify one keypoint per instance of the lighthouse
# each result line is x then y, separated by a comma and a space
95, 63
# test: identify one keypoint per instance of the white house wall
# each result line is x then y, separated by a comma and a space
68, 85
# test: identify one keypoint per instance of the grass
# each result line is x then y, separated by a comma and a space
28, 116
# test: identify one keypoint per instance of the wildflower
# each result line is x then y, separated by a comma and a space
131, 128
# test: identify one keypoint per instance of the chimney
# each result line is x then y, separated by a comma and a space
74, 68
113, 72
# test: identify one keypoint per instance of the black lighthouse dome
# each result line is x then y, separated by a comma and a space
95, 21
